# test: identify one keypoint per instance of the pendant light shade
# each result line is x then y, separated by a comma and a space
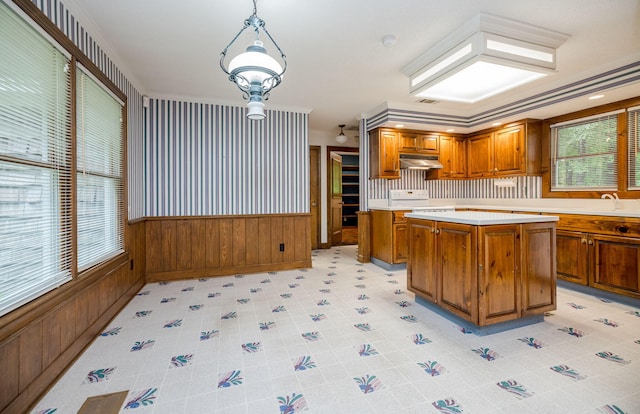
254, 71
341, 138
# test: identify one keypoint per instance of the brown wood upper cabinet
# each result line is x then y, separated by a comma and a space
420, 143
453, 157
511, 150
384, 155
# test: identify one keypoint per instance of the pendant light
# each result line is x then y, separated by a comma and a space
254, 72
342, 138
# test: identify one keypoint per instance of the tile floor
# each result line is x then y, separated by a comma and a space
344, 337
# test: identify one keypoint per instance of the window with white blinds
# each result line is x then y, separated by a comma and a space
35, 164
584, 154
99, 195
633, 159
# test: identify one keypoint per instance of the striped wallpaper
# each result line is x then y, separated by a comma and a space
207, 159
525, 187
65, 21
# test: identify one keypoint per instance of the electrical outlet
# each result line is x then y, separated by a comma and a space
282, 247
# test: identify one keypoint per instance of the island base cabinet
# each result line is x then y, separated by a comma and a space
499, 287
456, 245
484, 274
539, 268
421, 272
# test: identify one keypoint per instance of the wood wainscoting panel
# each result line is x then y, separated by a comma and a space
198, 251
225, 245
252, 244
10, 368
211, 244
184, 237
41, 339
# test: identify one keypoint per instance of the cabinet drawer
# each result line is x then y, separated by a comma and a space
398, 216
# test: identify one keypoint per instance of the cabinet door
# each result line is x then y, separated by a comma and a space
400, 246
408, 141
384, 158
509, 150
538, 268
480, 155
421, 267
616, 263
427, 143
446, 158
458, 278
459, 157
389, 155
571, 256
499, 281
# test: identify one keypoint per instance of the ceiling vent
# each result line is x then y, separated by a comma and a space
427, 101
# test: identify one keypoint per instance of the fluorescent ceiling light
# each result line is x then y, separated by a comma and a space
487, 56
478, 81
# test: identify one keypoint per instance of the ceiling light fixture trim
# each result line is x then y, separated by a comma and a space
487, 56
254, 72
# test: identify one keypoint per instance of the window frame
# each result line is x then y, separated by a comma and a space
51, 33
622, 187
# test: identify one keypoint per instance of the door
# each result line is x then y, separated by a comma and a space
422, 265
457, 275
571, 256
314, 195
508, 150
336, 198
499, 273
480, 156
616, 263
538, 268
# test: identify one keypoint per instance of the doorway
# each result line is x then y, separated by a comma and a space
314, 195
343, 179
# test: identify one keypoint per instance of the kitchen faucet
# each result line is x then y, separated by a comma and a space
614, 198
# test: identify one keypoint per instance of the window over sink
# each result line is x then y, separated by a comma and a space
592, 152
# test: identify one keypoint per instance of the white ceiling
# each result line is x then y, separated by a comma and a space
338, 68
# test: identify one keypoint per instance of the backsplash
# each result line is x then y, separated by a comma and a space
524, 188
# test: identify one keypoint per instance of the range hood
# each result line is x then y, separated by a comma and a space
419, 162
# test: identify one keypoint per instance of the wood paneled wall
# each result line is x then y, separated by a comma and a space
38, 341
193, 247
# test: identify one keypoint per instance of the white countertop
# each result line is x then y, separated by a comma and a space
481, 218
594, 207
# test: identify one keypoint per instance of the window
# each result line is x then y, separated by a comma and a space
99, 172
584, 154
35, 137
633, 128
37, 158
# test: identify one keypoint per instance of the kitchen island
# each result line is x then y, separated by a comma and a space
485, 268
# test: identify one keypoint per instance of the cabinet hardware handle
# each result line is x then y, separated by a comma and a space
437, 231
583, 241
591, 242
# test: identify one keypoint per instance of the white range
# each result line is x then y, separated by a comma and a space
415, 200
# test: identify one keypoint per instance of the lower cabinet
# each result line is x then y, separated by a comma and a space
483, 274
601, 261
572, 256
389, 236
